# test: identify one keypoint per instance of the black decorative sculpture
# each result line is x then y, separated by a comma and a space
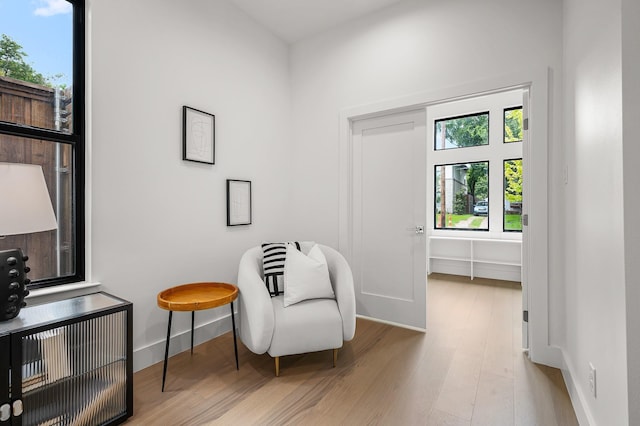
13, 283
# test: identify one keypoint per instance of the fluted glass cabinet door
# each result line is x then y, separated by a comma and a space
71, 362
75, 374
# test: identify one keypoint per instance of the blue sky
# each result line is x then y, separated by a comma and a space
44, 30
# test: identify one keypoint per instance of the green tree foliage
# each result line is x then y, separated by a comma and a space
478, 180
12, 63
513, 178
513, 125
482, 188
460, 203
467, 131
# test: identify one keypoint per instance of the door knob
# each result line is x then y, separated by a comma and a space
419, 229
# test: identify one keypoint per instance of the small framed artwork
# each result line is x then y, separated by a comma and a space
198, 136
238, 202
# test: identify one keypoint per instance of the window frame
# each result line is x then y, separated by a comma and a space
495, 152
504, 123
76, 139
504, 197
435, 192
456, 117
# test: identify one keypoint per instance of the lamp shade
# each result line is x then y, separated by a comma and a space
25, 206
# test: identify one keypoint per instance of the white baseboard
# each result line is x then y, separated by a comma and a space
577, 396
496, 272
450, 267
146, 356
395, 324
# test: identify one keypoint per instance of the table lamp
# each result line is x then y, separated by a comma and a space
25, 207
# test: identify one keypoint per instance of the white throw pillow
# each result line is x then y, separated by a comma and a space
306, 277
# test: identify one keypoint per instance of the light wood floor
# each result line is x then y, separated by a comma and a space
468, 369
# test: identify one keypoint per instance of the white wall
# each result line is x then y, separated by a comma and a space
150, 58
631, 154
416, 47
157, 220
595, 281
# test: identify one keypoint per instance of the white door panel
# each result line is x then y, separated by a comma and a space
526, 176
388, 194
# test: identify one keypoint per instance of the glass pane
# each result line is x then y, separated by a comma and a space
460, 132
513, 125
51, 253
76, 374
462, 196
36, 74
513, 195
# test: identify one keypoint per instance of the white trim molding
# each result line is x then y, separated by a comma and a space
153, 353
578, 399
395, 324
39, 296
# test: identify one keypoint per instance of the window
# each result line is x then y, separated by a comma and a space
513, 125
475, 166
42, 122
461, 132
512, 195
462, 196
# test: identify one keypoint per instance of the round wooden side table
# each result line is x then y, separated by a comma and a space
196, 297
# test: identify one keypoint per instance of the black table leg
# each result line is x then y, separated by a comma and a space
166, 350
235, 344
193, 319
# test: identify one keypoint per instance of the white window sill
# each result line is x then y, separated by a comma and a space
59, 289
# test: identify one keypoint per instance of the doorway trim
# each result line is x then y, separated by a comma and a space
537, 262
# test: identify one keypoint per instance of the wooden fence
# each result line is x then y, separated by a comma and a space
50, 252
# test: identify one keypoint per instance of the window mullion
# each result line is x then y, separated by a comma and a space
37, 133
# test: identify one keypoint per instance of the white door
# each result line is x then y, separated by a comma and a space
388, 197
526, 173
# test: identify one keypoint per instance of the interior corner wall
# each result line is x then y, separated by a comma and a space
159, 221
631, 154
595, 280
413, 47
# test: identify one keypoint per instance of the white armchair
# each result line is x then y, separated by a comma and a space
308, 326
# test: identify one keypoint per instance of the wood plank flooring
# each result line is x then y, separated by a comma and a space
468, 369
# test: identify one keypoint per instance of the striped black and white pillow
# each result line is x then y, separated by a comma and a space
274, 255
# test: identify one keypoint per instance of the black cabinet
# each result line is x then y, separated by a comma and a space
68, 363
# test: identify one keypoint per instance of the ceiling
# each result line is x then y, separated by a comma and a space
293, 20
